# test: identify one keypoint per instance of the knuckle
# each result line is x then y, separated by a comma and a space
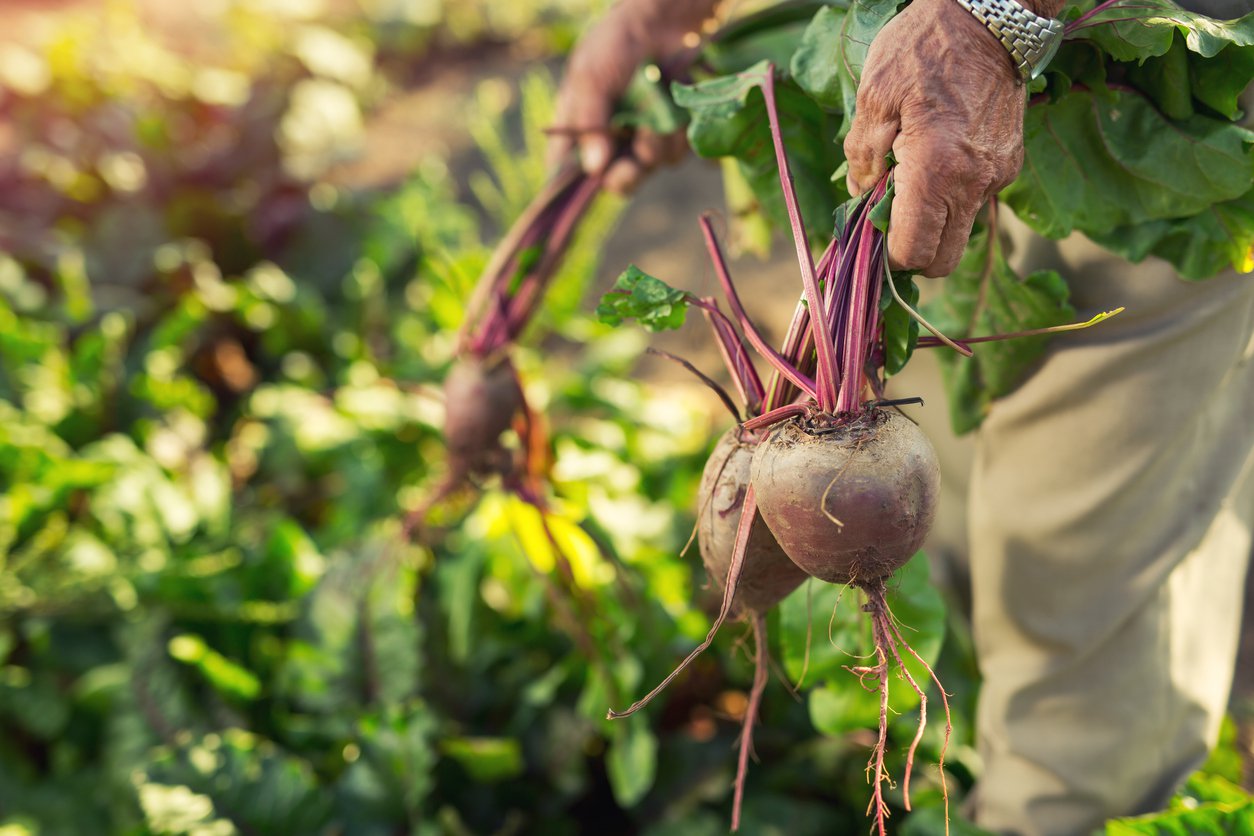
910, 252
856, 149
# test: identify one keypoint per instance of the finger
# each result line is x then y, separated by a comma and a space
918, 214
867, 147
595, 151
953, 240
674, 147
559, 145
584, 106
623, 176
646, 146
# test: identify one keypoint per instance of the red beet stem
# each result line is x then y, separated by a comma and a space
748, 510
736, 358
761, 671
529, 292
827, 376
778, 361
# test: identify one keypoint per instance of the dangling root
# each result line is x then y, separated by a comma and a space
949, 726
888, 644
761, 671
414, 525
748, 510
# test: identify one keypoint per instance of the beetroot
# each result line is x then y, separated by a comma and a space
768, 576
849, 503
482, 398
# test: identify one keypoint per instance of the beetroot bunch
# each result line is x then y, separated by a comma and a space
821, 478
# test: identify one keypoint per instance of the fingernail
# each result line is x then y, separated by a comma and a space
595, 157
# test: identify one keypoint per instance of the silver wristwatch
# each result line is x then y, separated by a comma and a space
1030, 39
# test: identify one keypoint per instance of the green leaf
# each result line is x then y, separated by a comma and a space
485, 759
357, 642
931, 821
1218, 82
1199, 246
1210, 789
250, 780
983, 297
226, 676
837, 708
1146, 28
631, 761
1206, 820
392, 770
1077, 63
650, 301
829, 60
729, 120
901, 330
1094, 166
1224, 767
770, 34
647, 104
33, 702
1165, 79
880, 212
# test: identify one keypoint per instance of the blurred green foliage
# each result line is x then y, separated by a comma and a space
218, 397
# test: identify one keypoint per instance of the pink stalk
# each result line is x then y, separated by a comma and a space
736, 358
799, 339
932, 342
748, 511
861, 320
1079, 22
761, 673
772, 356
776, 415
827, 375
522, 306
522, 234
485, 328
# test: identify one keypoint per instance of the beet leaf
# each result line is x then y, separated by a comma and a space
1199, 246
828, 61
729, 120
650, 301
985, 296
1095, 166
1134, 30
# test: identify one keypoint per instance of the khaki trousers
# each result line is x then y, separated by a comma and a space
1104, 513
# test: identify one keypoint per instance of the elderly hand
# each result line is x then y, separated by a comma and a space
941, 93
598, 72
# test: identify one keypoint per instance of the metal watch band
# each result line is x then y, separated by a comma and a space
1030, 39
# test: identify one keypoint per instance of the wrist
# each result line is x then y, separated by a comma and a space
977, 45
1027, 38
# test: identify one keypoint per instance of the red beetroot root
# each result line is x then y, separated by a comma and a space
850, 503
767, 575
482, 396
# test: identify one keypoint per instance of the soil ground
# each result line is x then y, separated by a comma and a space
658, 232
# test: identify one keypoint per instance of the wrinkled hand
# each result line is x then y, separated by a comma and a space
941, 93
598, 72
